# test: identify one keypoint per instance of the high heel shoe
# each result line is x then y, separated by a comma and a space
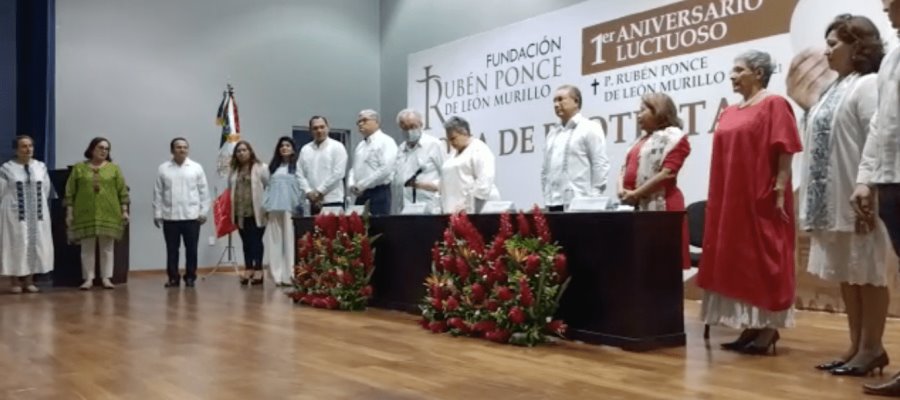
747, 336
869, 369
256, 280
762, 349
830, 365
245, 279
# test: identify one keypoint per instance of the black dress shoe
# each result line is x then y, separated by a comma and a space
171, 284
830, 365
188, 283
865, 370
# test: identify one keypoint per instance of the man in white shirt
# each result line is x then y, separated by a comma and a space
180, 205
373, 165
575, 161
324, 164
880, 165
419, 160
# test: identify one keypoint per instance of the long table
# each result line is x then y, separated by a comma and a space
626, 287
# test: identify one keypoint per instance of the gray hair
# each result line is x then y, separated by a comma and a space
574, 92
457, 124
409, 112
371, 114
758, 61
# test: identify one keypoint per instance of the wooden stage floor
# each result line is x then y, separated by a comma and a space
221, 341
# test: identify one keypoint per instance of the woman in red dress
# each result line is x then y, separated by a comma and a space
747, 267
647, 180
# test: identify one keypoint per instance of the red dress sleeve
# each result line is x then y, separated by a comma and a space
675, 159
783, 134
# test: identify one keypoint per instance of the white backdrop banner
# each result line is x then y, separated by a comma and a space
503, 81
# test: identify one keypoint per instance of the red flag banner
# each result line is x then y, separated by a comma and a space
222, 214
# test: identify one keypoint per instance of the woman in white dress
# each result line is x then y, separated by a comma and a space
844, 248
281, 199
467, 176
26, 242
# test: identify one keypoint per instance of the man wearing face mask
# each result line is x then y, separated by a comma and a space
419, 160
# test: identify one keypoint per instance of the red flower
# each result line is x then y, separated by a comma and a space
492, 305
435, 291
357, 227
457, 323
449, 264
484, 326
559, 264
365, 252
504, 294
498, 335
343, 224
437, 326
532, 264
449, 240
541, 226
497, 248
516, 316
366, 291
477, 293
499, 271
526, 298
424, 323
347, 278
452, 304
524, 227
331, 303
437, 304
506, 229
319, 303
557, 326
328, 224
462, 268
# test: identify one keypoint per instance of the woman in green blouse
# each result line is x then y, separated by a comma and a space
96, 209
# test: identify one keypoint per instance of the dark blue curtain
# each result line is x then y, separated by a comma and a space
35, 75
8, 96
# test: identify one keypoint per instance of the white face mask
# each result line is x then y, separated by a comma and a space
413, 135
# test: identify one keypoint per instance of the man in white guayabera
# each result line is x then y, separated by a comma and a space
575, 161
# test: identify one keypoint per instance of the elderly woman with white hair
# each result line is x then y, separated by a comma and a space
747, 267
467, 177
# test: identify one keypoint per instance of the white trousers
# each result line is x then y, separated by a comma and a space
88, 257
279, 243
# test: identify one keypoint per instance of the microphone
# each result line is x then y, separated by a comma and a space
412, 181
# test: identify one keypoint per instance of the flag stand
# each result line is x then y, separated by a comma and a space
227, 257
227, 118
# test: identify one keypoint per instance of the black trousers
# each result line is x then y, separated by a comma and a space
252, 238
379, 198
175, 232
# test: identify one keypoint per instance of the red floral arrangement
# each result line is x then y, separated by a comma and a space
506, 292
334, 264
